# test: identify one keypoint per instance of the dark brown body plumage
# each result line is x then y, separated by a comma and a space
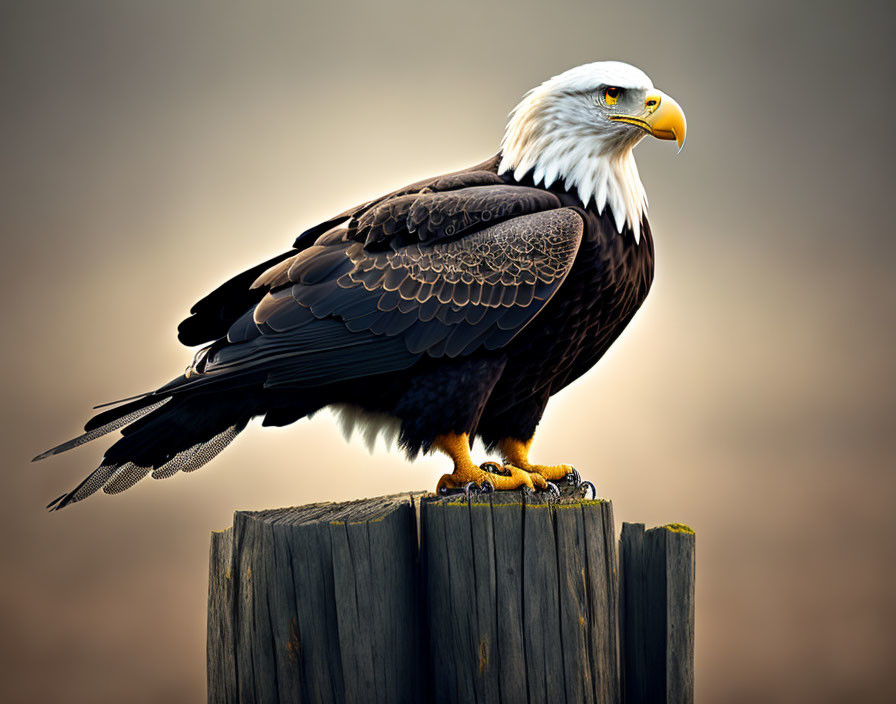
607, 284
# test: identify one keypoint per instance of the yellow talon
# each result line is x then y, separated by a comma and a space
516, 453
457, 447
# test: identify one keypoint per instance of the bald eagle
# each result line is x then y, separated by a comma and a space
450, 309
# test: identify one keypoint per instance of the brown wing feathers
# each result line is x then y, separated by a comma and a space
212, 316
443, 298
428, 217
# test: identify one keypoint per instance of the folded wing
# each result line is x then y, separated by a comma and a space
461, 263
349, 312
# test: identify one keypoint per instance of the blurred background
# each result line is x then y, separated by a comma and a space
151, 150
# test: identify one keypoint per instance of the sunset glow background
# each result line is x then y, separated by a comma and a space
151, 150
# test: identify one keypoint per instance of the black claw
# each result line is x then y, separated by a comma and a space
471, 488
487, 487
526, 490
466, 490
573, 478
585, 486
553, 490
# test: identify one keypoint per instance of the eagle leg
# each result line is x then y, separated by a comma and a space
457, 447
516, 454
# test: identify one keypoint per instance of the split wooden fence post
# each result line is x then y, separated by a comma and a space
412, 598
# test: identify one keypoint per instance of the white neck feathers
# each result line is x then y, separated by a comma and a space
545, 136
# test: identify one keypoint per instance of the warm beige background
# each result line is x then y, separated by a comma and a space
149, 150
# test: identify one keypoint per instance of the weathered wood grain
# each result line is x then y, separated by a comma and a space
603, 590
657, 600
220, 656
502, 598
516, 599
316, 604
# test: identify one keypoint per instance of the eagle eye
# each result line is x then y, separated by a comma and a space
611, 95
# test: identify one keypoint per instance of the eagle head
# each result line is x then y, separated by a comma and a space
579, 128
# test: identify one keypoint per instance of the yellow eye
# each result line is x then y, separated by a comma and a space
611, 95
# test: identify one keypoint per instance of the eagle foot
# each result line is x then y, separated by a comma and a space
552, 472
495, 477
486, 487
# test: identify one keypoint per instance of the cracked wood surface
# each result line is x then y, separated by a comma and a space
419, 598
657, 613
322, 601
523, 594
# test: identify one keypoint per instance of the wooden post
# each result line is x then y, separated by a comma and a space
220, 658
657, 624
521, 599
498, 598
316, 604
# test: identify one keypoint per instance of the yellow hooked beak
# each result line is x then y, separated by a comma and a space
662, 117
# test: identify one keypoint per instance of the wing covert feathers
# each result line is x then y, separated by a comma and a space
432, 216
211, 316
442, 298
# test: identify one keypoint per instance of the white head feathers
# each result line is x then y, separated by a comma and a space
558, 132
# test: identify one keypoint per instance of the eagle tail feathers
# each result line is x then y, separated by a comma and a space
166, 437
107, 422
